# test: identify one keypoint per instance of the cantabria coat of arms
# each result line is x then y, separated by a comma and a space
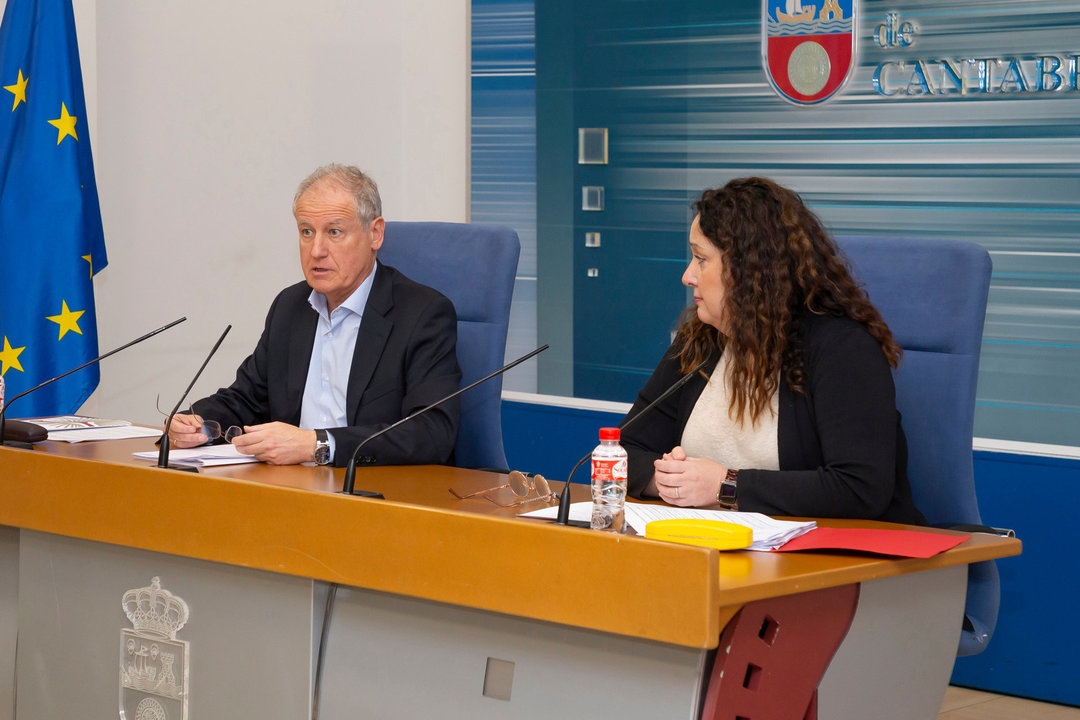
153, 663
808, 50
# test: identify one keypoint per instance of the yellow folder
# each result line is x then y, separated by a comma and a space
709, 533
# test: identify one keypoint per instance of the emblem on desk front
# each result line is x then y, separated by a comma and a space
153, 663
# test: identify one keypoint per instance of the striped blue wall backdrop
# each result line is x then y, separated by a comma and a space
682, 91
503, 153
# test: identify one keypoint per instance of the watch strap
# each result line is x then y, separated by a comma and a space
729, 490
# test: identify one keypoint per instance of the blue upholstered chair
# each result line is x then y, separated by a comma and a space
474, 266
933, 296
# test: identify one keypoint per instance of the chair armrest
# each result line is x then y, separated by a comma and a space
984, 529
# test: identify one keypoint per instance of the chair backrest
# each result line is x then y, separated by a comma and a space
474, 266
933, 294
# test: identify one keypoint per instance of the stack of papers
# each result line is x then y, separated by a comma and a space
77, 428
769, 533
203, 456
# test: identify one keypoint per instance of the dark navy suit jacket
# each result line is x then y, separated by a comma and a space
404, 360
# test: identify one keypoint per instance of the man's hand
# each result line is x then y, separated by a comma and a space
277, 443
184, 432
687, 481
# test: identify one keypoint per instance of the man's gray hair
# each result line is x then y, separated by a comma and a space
358, 184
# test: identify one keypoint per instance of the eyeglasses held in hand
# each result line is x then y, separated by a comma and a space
521, 485
210, 428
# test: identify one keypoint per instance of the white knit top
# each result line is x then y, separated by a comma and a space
711, 433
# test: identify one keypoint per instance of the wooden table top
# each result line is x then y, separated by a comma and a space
421, 541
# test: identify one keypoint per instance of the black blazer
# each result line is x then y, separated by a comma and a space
842, 450
404, 360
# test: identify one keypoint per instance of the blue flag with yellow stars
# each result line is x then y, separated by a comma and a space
51, 241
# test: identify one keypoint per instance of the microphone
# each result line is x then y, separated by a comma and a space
350, 472
563, 517
99, 358
163, 450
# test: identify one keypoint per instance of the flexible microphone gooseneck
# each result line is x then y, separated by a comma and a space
350, 472
163, 451
563, 517
99, 358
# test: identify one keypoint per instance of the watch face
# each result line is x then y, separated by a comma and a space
322, 454
727, 492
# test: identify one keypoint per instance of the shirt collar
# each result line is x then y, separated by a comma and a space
355, 303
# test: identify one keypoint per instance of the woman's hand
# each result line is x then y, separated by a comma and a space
687, 481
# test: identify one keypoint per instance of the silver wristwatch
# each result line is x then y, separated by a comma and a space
321, 456
729, 490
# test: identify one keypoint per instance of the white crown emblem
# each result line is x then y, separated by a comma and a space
154, 610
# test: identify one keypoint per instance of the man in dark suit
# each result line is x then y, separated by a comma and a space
353, 348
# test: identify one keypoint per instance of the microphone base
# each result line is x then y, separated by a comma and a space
365, 493
573, 523
19, 433
185, 468
17, 444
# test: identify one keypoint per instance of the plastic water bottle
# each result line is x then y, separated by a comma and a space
609, 483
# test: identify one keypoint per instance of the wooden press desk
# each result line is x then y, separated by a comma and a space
438, 594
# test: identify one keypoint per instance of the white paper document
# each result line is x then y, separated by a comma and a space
769, 533
204, 456
75, 422
80, 428
120, 432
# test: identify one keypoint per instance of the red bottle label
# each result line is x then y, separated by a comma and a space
608, 469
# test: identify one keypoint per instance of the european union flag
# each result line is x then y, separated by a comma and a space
51, 241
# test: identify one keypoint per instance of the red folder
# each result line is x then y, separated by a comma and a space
902, 543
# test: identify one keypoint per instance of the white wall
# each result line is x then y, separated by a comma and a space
204, 116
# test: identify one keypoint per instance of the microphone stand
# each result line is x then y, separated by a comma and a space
163, 451
99, 358
563, 518
350, 472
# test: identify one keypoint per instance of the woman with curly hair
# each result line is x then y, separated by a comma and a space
794, 412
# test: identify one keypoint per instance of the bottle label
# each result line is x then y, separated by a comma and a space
609, 469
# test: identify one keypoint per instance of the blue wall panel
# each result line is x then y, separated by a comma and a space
548, 440
1033, 652
503, 153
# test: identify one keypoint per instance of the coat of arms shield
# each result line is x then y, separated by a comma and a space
808, 51
153, 663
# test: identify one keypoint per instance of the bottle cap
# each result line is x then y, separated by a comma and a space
609, 433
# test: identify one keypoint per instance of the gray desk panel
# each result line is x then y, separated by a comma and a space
249, 631
9, 617
896, 660
252, 633
395, 657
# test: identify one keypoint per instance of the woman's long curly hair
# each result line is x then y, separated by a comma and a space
778, 263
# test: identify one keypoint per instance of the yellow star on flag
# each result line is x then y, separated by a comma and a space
18, 90
67, 320
65, 124
89, 259
9, 358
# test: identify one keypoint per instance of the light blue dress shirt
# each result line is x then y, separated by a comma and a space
327, 384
